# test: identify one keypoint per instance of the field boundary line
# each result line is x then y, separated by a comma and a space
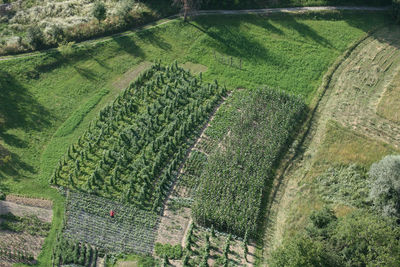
171, 18
297, 149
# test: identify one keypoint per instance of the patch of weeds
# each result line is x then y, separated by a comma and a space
31, 225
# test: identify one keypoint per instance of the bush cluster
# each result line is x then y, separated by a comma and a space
172, 252
358, 239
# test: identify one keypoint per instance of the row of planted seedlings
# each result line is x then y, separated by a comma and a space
74, 252
131, 229
16, 255
206, 247
130, 152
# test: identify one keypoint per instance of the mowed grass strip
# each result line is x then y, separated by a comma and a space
389, 104
38, 94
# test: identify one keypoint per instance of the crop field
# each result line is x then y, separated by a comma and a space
88, 221
237, 172
65, 118
131, 151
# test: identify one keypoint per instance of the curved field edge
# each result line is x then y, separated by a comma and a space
296, 150
43, 78
331, 139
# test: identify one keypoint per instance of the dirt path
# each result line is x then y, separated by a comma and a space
205, 13
351, 100
24, 210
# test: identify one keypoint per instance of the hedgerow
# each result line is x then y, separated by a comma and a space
233, 181
132, 150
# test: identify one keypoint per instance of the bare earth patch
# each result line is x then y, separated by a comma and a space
173, 225
131, 75
23, 210
33, 202
23, 242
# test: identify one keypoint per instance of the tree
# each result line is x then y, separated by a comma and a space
384, 178
187, 6
363, 239
396, 10
301, 251
99, 11
34, 37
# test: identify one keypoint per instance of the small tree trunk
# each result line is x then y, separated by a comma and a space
185, 10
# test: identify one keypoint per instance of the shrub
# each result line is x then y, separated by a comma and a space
56, 34
344, 184
169, 251
302, 251
363, 239
99, 11
396, 10
322, 222
2, 196
385, 185
34, 37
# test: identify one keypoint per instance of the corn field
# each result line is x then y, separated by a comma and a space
234, 179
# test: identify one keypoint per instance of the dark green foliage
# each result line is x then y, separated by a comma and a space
34, 37
132, 151
99, 11
385, 185
358, 239
300, 251
172, 252
31, 224
231, 185
72, 252
396, 10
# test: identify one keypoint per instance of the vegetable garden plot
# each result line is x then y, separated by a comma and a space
132, 149
233, 181
88, 221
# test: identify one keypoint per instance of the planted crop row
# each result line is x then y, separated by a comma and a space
130, 152
88, 220
73, 252
235, 177
16, 255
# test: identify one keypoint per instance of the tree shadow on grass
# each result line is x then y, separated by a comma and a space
128, 45
19, 109
155, 39
305, 31
230, 40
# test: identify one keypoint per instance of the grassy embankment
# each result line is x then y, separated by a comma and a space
39, 94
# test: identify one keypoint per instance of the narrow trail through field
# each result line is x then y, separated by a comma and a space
205, 13
352, 100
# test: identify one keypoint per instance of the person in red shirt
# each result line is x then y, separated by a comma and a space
112, 213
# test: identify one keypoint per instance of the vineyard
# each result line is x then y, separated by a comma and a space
232, 184
131, 151
88, 221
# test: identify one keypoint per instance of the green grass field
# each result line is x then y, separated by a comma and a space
41, 95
